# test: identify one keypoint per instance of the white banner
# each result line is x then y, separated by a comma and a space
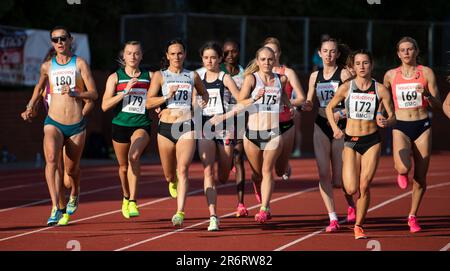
22, 52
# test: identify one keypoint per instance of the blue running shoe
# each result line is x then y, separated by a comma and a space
55, 216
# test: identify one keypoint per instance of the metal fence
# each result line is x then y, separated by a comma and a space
299, 36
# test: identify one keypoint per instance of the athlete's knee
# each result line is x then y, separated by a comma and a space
364, 187
420, 183
209, 176
123, 169
73, 172
350, 190
134, 158
52, 159
182, 172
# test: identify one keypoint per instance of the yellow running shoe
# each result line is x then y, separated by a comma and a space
133, 209
64, 220
173, 187
177, 219
125, 211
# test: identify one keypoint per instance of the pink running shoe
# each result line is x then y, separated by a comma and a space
413, 224
261, 217
402, 180
257, 193
334, 226
241, 210
351, 214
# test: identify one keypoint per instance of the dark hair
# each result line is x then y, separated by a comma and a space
164, 61
345, 52
342, 48
235, 42
214, 45
360, 52
120, 59
60, 27
50, 54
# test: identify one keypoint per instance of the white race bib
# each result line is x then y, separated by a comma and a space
182, 98
60, 77
270, 102
135, 101
407, 95
214, 105
362, 106
325, 92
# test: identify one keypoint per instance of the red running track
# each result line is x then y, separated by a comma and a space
299, 215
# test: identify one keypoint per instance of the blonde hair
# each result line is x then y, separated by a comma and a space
120, 59
273, 40
252, 66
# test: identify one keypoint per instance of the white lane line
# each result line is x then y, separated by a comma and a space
117, 211
82, 193
446, 248
106, 213
206, 221
371, 209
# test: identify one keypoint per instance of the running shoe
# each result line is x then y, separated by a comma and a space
359, 233
286, 175
413, 224
402, 180
173, 187
262, 216
241, 210
213, 224
177, 219
296, 153
334, 226
257, 192
55, 216
133, 209
351, 214
125, 211
64, 220
72, 205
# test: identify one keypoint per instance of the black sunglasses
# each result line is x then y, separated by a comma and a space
57, 39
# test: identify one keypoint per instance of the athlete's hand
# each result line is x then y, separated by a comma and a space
307, 106
260, 94
381, 121
204, 101
172, 90
216, 119
158, 111
338, 134
65, 89
293, 111
130, 85
28, 114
